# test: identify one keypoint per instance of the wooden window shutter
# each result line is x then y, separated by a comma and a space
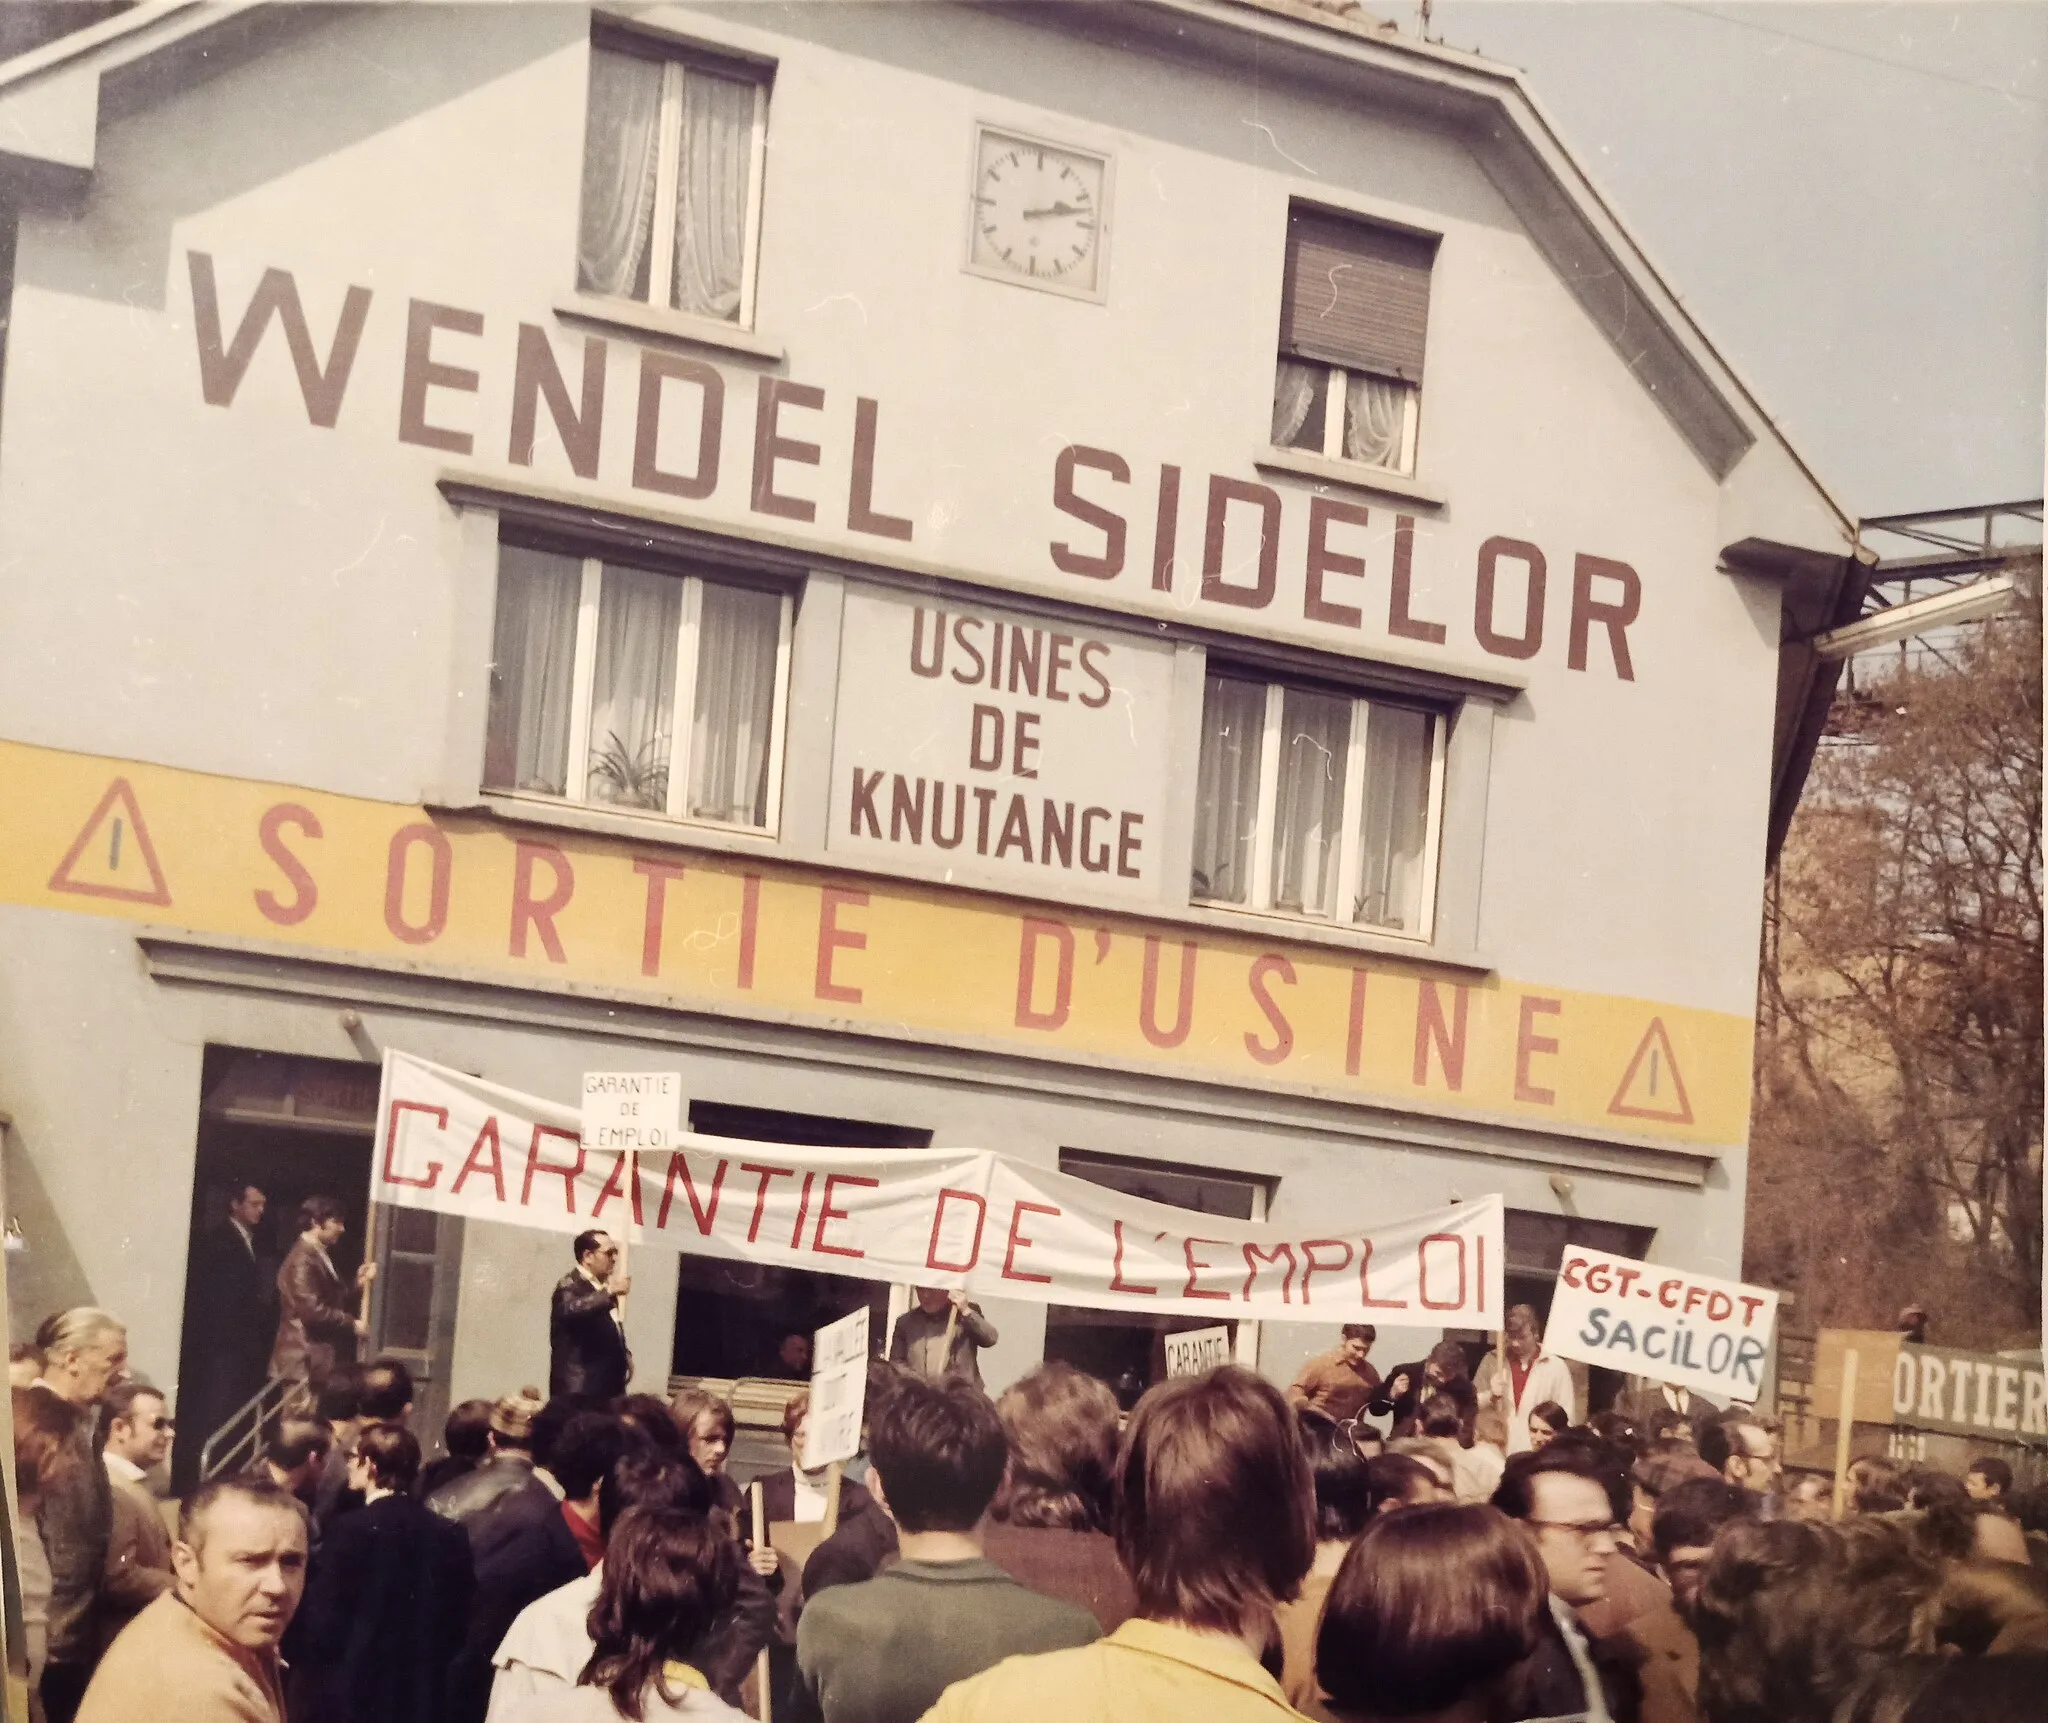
1355, 295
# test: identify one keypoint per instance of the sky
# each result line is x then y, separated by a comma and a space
1851, 199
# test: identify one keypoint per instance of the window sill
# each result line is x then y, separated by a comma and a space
516, 810
622, 823
1376, 480
675, 325
1304, 930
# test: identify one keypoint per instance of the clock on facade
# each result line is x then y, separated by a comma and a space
1038, 213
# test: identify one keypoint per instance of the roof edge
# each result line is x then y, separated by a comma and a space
1506, 88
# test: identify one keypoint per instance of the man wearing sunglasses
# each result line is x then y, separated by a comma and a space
1559, 1493
138, 1572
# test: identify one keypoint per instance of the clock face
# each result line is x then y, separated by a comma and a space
1038, 214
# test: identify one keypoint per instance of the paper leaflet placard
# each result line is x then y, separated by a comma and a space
1688, 1329
968, 1218
1196, 1350
839, 1391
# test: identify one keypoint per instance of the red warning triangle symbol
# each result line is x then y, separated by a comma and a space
1652, 1087
112, 855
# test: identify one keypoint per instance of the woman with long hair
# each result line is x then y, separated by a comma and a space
668, 1575
1431, 1611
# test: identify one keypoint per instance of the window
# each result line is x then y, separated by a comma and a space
1317, 804
1354, 312
672, 157
732, 1317
627, 687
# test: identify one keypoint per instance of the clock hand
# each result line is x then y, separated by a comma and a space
1057, 209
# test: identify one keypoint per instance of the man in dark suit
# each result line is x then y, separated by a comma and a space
387, 1597
236, 1302
1649, 1404
586, 1325
316, 1326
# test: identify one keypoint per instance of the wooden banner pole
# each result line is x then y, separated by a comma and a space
1845, 1428
763, 1678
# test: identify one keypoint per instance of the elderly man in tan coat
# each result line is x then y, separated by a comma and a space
206, 1651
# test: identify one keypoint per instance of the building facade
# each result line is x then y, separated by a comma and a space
1155, 587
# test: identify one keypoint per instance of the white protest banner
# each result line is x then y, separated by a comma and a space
970, 1219
1196, 1350
632, 1110
1687, 1329
839, 1391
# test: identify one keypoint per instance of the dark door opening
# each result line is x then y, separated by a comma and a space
293, 1128
1125, 1348
731, 1317
1536, 1245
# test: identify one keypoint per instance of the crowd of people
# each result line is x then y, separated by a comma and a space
1434, 1546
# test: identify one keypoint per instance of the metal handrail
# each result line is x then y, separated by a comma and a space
278, 1397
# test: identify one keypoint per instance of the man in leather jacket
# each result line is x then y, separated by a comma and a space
586, 1326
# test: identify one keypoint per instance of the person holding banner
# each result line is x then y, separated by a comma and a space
587, 1356
316, 1330
942, 1336
1339, 1383
1530, 1377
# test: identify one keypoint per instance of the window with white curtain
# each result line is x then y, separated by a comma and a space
672, 156
1354, 318
1318, 804
636, 688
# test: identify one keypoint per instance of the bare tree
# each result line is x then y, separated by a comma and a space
1896, 1154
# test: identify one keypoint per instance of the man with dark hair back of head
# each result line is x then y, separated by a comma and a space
1404, 1481
1562, 1494
587, 1353
507, 1465
884, 1650
1791, 1617
85, 1353
1049, 1528
387, 1597
466, 1435
138, 1572
535, 1538
1669, 1462
295, 1453
1689, 1514
1340, 1382
340, 1401
386, 1391
1215, 1520
207, 1651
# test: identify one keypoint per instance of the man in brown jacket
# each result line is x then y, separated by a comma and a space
316, 1329
206, 1652
138, 1568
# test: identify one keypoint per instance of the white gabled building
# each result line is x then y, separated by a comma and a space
1155, 586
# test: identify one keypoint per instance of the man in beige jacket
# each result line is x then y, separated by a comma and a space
206, 1651
138, 1568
